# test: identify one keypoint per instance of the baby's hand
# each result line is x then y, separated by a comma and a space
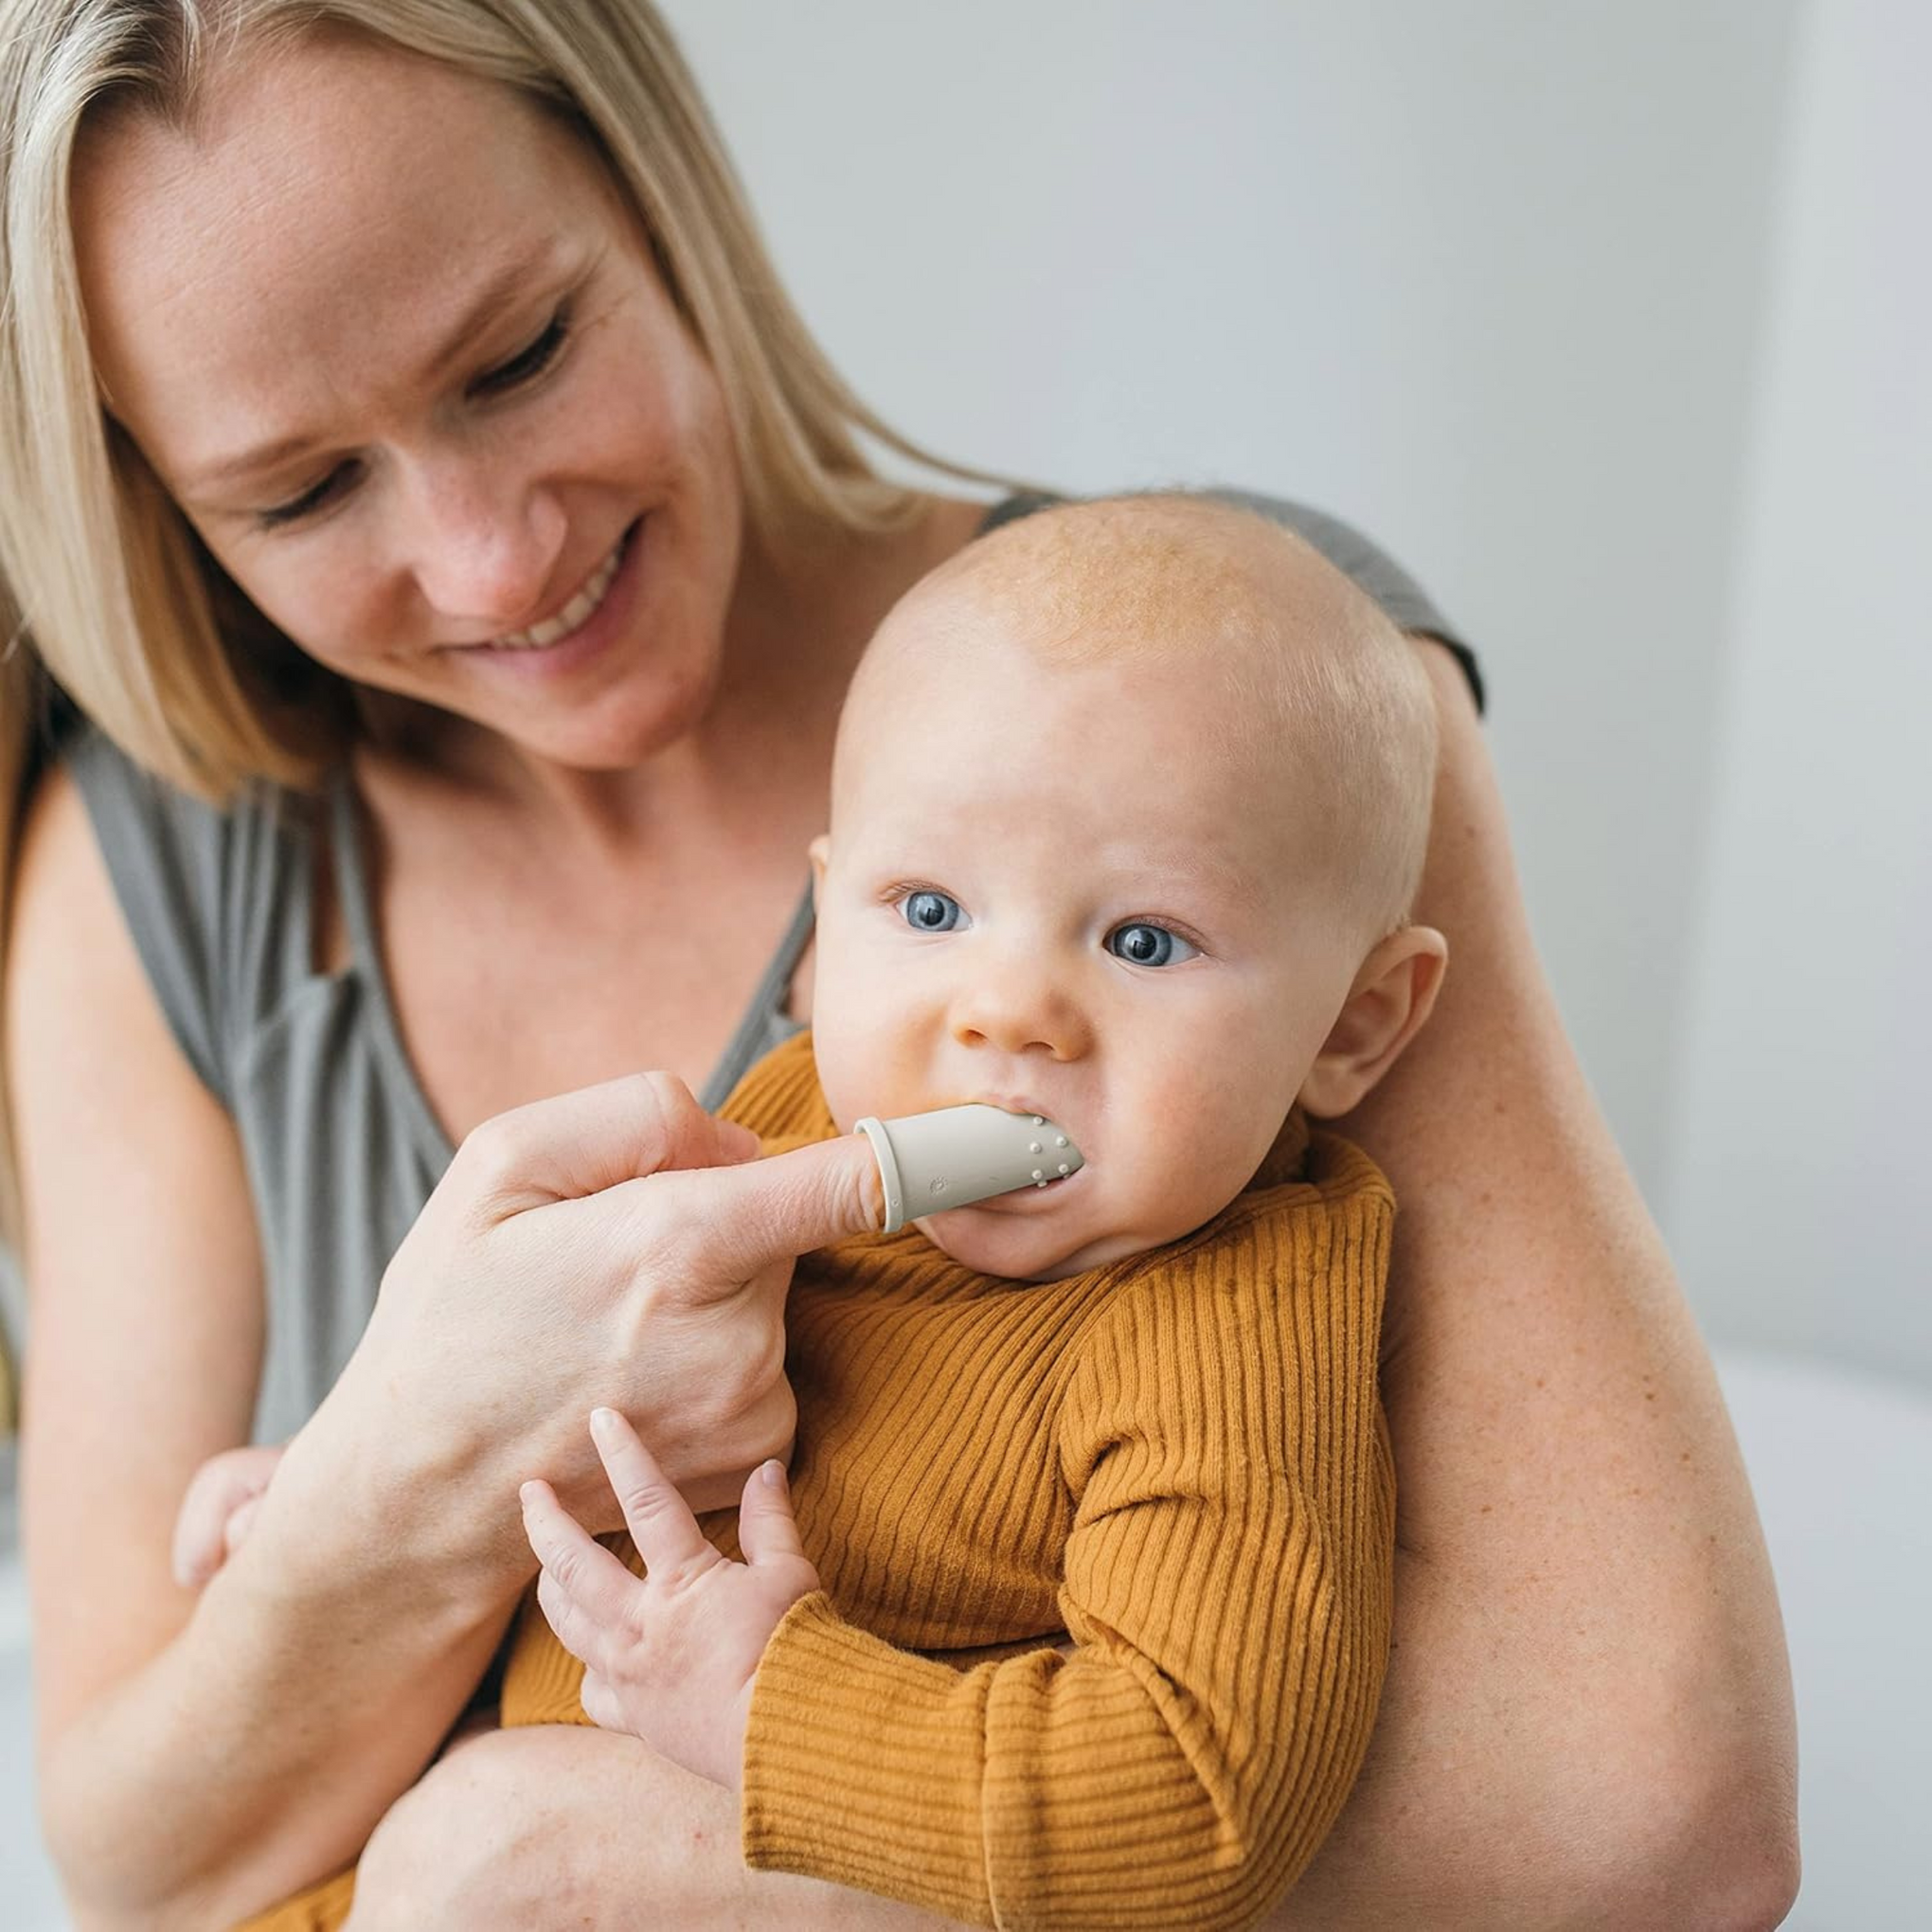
215, 1515
668, 1658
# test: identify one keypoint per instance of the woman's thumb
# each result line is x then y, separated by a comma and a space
778, 1209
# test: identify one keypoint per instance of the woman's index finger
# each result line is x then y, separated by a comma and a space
658, 1518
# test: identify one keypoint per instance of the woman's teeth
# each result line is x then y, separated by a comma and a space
578, 612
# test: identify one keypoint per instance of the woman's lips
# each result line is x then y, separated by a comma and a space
605, 598
578, 612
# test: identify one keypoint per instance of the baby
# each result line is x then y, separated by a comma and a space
1076, 1608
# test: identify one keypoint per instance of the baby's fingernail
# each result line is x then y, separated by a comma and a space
773, 1474
526, 1495
603, 1422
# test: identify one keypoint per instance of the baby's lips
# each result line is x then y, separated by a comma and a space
957, 1155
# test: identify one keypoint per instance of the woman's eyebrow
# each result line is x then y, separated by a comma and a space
491, 297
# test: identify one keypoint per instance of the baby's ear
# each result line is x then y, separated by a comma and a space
1391, 997
820, 849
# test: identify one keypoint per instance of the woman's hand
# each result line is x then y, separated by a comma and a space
669, 1657
616, 1248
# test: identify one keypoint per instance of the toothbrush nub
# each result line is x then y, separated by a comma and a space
957, 1155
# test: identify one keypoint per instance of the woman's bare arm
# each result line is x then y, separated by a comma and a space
1588, 1718
201, 1760
199, 1756
555, 1825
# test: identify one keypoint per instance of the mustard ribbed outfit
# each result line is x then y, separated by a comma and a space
1179, 1460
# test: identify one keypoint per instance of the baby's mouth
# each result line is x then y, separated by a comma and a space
956, 1157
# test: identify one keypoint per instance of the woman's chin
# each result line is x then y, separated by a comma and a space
620, 732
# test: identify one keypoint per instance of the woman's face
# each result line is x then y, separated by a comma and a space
398, 349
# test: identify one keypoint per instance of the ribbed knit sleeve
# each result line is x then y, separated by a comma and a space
1227, 1584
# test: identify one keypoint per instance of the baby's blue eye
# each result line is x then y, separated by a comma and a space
931, 912
1148, 945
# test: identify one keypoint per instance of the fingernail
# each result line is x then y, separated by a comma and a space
773, 1474
603, 1422
527, 1494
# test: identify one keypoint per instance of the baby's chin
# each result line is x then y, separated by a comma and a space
1023, 1245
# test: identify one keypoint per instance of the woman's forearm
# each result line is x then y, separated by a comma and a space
319, 1672
552, 1825
199, 1755
1588, 1717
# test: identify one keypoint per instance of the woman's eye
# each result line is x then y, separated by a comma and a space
931, 912
529, 363
308, 501
1148, 945
525, 367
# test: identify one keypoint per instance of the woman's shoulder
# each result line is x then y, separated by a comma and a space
218, 898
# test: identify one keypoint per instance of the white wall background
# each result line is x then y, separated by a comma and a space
1798, 1182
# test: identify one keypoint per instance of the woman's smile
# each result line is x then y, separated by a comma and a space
594, 617
552, 630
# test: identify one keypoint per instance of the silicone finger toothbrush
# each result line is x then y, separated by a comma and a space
956, 1155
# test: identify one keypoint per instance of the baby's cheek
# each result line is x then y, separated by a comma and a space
864, 1039
1187, 1164
865, 1069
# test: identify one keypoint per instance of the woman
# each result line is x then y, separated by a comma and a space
415, 437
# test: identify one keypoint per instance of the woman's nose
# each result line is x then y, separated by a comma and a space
1020, 1008
483, 546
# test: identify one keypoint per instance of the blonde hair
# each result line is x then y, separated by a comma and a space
106, 594
1313, 678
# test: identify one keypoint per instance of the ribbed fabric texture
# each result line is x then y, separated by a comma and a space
1178, 1460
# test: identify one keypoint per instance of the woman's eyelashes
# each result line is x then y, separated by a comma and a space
306, 502
529, 362
521, 370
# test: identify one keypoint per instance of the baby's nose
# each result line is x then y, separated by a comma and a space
1018, 1011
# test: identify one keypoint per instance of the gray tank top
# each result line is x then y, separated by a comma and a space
341, 1145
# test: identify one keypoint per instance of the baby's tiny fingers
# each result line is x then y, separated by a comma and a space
224, 1485
583, 1571
658, 1518
767, 1531
583, 1638
240, 1523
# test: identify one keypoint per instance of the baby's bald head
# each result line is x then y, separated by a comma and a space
1303, 690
